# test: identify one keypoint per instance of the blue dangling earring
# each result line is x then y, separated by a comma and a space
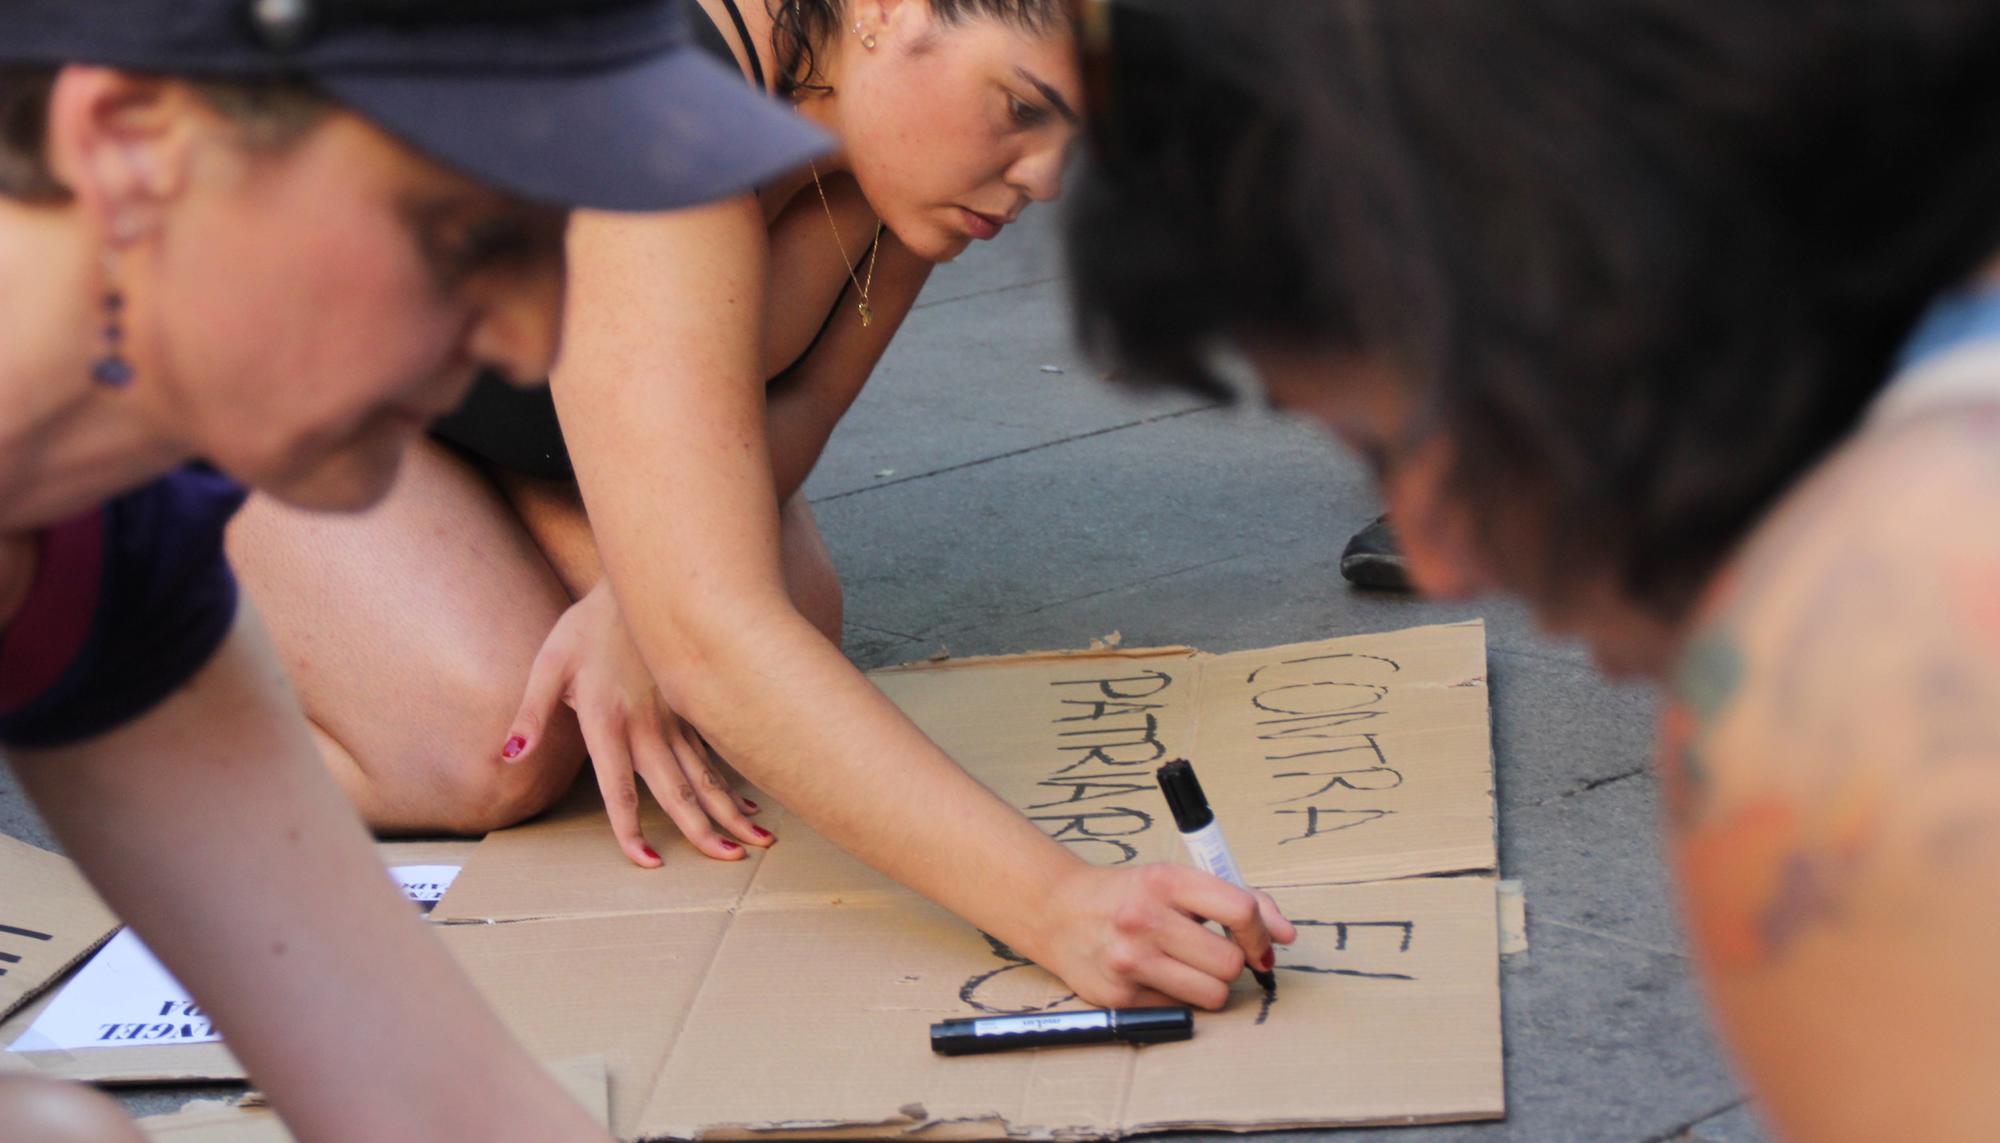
113, 369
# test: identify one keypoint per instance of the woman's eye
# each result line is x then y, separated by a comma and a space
1025, 114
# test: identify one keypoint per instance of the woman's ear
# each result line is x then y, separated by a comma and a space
121, 144
877, 16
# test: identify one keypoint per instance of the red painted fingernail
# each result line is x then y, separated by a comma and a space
762, 833
1270, 958
730, 846
514, 747
751, 806
648, 851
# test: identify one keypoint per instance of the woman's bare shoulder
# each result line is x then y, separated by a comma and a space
1832, 760
1834, 726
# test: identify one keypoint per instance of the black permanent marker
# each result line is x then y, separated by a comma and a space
1202, 835
1098, 1026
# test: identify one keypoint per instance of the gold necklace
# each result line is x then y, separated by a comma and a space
874, 250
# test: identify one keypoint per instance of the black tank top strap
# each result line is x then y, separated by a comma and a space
710, 29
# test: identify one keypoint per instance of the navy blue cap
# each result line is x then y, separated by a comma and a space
594, 103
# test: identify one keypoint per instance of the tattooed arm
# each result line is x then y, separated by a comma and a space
1832, 757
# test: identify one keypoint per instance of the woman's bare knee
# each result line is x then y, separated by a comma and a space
461, 782
496, 793
36, 1109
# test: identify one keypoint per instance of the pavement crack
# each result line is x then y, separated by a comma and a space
1008, 455
1594, 784
1680, 1134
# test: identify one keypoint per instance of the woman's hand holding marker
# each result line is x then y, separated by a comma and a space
1123, 937
589, 663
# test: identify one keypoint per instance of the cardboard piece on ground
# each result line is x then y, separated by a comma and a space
49, 920
1365, 1028
125, 990
252, 1121
791, 992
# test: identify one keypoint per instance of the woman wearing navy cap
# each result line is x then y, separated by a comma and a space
711, 354
205, 252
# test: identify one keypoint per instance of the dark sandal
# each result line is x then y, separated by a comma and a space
1373, 560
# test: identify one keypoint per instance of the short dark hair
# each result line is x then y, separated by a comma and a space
1645, 261
270, 112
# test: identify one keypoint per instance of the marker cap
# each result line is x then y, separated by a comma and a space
1155, 1025
1184, 796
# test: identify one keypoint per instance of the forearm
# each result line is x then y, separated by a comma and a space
210, 825
789, 711
552, 512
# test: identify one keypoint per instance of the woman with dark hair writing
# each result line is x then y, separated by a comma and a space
1679, 319
709, 356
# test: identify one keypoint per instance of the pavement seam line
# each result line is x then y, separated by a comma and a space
1538, 657
1141, 423
985, 293
1614, 938
872, 629
976, 625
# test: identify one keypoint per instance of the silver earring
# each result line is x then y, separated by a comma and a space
867, 38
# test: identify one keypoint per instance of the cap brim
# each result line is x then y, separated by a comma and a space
668, 131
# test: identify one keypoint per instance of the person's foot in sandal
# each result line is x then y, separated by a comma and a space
1373, 560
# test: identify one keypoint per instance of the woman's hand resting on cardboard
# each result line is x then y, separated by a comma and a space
589, 663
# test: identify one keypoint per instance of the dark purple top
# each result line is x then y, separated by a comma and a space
128, 601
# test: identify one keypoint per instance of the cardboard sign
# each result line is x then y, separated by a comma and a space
49, 920
791, 992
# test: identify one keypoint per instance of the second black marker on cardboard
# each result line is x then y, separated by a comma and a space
1202, 835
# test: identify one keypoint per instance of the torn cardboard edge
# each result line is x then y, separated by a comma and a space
50, 921
1109, 651
250, 1118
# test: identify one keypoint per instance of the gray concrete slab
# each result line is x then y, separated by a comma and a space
1737, 1125
17, 817
1591, 863
1028, 510
969, 380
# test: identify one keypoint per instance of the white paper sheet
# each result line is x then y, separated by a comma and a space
123, 995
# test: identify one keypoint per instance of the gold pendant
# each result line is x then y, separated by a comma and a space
867, 315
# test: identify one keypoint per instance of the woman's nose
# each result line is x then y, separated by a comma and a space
1039, 174
520, 328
